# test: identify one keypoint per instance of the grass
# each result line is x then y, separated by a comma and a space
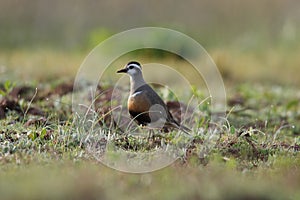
256, 155
85, 179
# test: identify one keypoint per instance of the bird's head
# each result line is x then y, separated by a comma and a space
131, 68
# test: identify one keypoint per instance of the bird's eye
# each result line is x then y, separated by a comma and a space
130, 67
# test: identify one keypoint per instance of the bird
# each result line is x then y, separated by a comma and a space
145, 106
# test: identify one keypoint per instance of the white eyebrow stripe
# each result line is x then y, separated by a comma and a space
135, 65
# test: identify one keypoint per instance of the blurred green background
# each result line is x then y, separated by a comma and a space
249, 40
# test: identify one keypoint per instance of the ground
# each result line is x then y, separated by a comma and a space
256, 155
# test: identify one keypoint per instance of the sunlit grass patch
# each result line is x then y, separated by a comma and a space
43, 150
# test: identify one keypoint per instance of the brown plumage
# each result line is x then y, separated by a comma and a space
145, 105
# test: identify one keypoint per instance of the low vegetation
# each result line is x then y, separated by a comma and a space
255, 156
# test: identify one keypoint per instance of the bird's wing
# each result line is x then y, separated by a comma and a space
159, 108
170, 121
156, 108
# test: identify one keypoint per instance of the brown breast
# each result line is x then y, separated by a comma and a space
139, 103
138, 107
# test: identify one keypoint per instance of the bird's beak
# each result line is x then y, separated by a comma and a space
122, 70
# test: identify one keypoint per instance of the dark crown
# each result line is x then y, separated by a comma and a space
134, 62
